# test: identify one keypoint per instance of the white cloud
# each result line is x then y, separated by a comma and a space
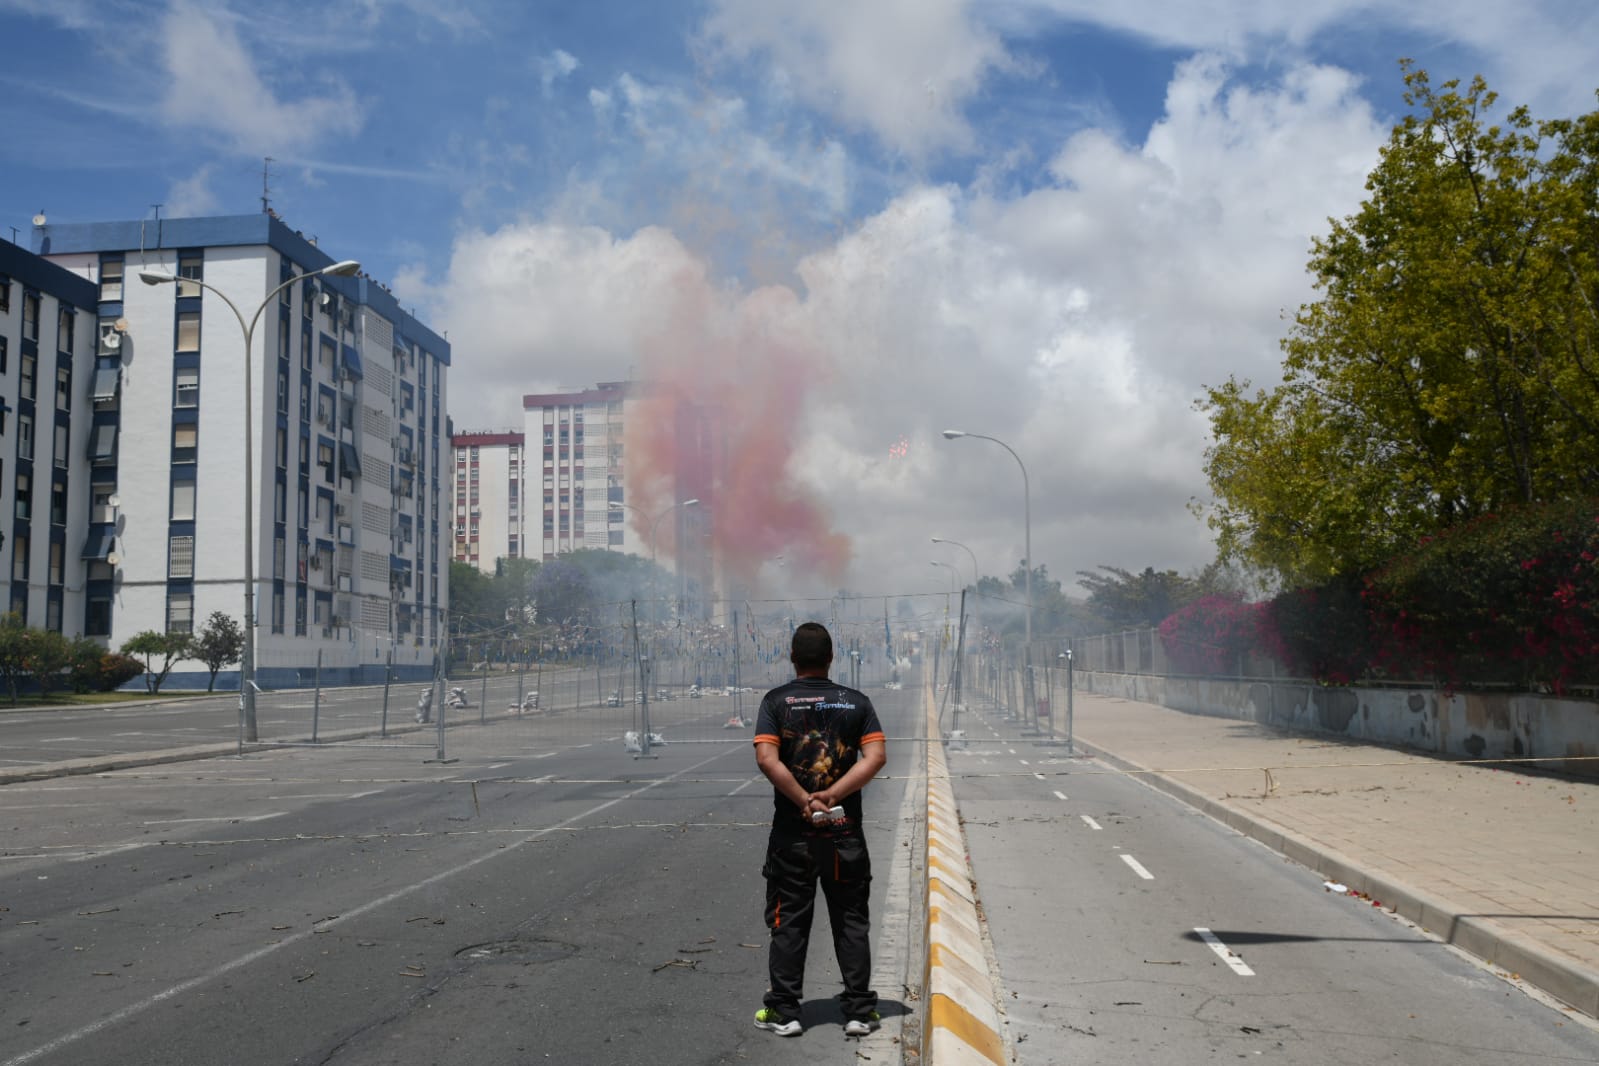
1076, 322
899, 69
214, 84
555, 66
192, 197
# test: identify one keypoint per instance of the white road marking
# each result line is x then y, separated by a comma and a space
747, 784
138, 734
223, 818
542, 780
58, 740
1060, 795
547, 755
1011, 750
362, 795
1226, 954
576, 747
1038, 775
498, 766
1091, 823
1138, 868
1022, 761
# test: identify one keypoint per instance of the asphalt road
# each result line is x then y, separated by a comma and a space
546, 897
1096, 888
42, 735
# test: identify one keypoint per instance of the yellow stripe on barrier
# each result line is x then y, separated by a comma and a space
944, 1013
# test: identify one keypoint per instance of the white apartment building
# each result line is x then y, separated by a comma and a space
489, 482
575, 469
48, 388
346, 397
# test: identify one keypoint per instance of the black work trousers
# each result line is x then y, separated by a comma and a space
793, 868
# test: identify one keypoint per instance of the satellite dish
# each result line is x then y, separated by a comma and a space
112, 558
39, 219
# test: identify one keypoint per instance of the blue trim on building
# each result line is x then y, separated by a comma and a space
222, 231
23, 266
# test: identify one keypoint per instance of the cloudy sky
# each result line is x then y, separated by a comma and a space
855, 223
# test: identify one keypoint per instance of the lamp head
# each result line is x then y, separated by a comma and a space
951, 434
343, 269
151, 277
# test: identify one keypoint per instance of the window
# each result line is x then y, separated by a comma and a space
24, 508
107, 382
103, 443
277, 610
26, 386
279, 558
24, 436
4, 354
111, 280
97, 620
60, 455
63, 389
185, 437
101, 509
191, 269
5, 293
56, 554
180, 612
305, 453
186, 387
326, 354
66, 321
299, 613
19, 559
279, 503
189, 332
30, 316
283, 393
180, 557
183, 501
282, 447
58, 503
324, 459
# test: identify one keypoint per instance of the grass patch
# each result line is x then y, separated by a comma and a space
87, 699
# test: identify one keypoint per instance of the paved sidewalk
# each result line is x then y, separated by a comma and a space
1499, 861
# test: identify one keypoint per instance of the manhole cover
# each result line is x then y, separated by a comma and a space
514, 950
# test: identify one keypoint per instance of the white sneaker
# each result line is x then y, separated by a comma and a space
767, 1018
862, 1026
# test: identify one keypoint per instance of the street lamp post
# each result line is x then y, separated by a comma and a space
342, 269
1027, 533
977, 598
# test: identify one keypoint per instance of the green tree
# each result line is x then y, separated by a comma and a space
476, 602
13, 651
1123, 598
85, 669
220, 643
1450, 367
150, 645
46, 655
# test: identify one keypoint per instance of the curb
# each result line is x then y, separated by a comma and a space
963, 1026
1565, 979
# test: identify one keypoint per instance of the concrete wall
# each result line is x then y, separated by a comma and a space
1470, 725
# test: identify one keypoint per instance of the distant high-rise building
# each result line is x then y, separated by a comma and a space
575, 470
347, 398
489, 485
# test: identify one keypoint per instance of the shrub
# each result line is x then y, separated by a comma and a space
117, 670
1212, 634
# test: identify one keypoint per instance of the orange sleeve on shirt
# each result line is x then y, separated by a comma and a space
767, 738
868, 738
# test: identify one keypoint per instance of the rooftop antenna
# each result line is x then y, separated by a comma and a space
157, 209
266, 185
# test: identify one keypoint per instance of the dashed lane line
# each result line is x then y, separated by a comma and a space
1090, 822
1238, 966
1138, 867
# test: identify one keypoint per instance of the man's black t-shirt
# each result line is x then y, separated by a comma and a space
818, 726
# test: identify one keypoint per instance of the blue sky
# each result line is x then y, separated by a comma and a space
1050, 219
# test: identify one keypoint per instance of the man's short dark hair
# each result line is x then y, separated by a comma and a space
812, 646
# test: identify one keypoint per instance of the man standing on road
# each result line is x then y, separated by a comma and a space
818, 743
